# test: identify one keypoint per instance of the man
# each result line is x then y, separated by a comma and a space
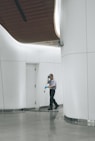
52, 87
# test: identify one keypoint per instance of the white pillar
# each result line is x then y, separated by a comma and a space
78, 55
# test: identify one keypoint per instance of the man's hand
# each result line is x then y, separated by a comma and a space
46, 87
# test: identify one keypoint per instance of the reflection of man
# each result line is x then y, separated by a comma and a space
52, 87
53, 116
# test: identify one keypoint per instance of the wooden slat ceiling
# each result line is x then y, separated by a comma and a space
28, 20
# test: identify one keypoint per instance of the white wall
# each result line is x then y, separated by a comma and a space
78, 55
13, 75
13, 59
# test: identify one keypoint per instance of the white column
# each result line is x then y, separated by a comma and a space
78, 55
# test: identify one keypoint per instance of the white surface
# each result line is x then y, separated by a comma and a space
13, 50
78, 53
74, 52
30, 86
75, 86
73, 29
14, 56
13, 75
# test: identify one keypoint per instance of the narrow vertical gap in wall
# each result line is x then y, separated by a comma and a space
2, 87
86, 55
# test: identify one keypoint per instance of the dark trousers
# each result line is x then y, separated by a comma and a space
52, 100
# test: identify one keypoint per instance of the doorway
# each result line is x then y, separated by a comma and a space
31, 79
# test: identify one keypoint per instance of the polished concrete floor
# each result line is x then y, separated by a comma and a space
41, 126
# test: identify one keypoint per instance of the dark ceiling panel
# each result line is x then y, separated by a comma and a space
28, 20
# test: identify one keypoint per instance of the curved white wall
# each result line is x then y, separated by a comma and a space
78, 55
13, 59
12, 67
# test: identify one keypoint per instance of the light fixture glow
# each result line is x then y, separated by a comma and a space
57, 13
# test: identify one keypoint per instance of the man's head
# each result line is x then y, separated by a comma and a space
51, 76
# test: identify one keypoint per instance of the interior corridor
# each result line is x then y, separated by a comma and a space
41, 126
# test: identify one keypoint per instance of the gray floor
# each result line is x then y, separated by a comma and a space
41, 126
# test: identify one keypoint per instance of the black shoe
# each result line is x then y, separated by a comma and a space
56, 106
50, 109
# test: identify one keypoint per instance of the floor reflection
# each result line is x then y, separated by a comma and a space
52, 125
